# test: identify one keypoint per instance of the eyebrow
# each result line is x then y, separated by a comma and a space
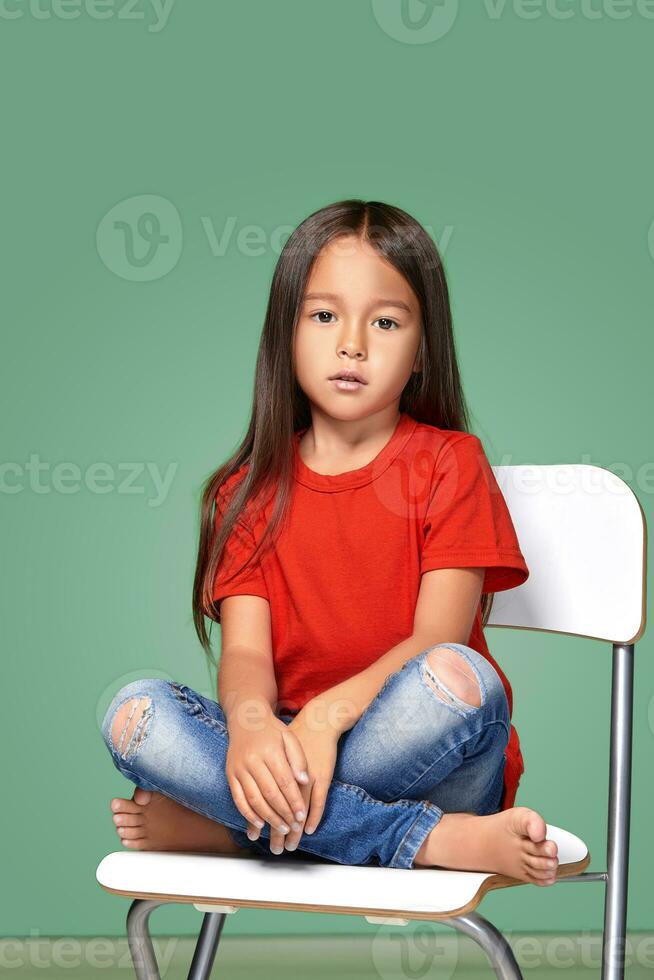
377, 302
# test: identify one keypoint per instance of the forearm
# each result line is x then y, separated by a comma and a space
341, 706
247, 689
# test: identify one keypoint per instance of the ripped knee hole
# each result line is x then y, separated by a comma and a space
455, 673
129, 724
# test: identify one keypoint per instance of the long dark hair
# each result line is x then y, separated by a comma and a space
280, 407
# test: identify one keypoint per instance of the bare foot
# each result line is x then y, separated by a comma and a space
511, 842
151, 821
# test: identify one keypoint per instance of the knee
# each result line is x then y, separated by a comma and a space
129, 715
448, 672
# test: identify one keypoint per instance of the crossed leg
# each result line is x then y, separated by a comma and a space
453, 670
151, 820
168, 823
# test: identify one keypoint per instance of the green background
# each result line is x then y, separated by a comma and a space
523, 144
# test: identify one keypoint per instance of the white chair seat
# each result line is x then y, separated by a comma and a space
257, 882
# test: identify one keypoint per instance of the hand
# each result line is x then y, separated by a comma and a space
264, 764
319, 743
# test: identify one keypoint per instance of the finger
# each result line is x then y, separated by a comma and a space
275, 798
294, 837
254, 820
256, 786
318, 798
296, 757
276, 841
288, 784
253, 832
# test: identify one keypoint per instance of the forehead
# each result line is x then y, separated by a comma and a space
352, 273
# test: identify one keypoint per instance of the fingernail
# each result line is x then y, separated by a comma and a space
303, 776
252, 834
291, 847
276, 848
299, 814
259, 823
295, 825
283, 828
309, 830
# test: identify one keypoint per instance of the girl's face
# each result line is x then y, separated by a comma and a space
359, 314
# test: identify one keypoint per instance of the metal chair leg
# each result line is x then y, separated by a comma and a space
138, 937
142, 950
615, 899
206, 946
491, 941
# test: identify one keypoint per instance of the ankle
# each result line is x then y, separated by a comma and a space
443, 845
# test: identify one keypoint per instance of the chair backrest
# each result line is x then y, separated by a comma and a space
583, 534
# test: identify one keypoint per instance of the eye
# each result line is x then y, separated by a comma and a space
385, 319
319, 313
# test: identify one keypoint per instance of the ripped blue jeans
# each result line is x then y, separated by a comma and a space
411, 756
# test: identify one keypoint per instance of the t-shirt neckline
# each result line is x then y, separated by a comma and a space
364, 474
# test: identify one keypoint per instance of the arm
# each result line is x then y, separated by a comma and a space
247, 688
264, 761
445, 612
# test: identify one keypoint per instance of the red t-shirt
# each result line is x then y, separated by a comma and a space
344, 574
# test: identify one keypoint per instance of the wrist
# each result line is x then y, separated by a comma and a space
247, 713
321, 716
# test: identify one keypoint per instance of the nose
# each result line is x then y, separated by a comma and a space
352, 341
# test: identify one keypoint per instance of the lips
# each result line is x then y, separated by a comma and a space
348, 376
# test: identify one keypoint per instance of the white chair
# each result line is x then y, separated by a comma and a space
583, 534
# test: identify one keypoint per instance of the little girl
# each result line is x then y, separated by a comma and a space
349, 550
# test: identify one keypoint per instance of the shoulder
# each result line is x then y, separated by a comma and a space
445, 444
227, 488
255, 509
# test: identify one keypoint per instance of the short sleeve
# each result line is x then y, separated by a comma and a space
467, 523
230, 578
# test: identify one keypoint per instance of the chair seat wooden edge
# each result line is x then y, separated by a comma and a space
489, 884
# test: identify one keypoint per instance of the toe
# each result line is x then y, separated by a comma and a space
135, 845
539, 877
129, 833
142, 796
546, 849
543, 849
121, 805
541, 863
543, 882
128, 819
541, 874
535, 826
